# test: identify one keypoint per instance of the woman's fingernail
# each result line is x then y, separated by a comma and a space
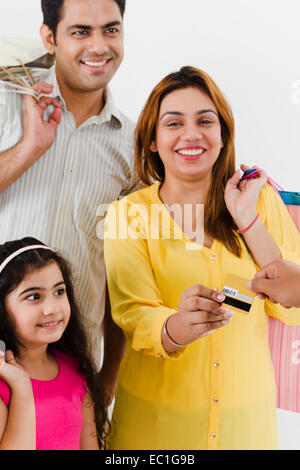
223, 310
221, 297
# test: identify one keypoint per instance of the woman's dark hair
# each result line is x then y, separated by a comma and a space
52, 12
74, 340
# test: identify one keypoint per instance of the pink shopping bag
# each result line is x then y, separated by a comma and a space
284, 340
285, 350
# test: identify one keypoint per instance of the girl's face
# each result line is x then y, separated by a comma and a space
40, 307
188, 134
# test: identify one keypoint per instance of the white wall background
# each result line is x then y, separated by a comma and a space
252, 50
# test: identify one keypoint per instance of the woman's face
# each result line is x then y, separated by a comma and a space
40, 307
188, 134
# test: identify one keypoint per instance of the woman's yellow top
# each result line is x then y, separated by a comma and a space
218, 392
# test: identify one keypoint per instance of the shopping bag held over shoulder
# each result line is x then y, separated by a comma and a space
285, 339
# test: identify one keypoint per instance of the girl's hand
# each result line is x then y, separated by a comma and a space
12, 373
241, 196
199, 313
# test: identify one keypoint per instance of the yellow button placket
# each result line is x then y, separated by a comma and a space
216, 368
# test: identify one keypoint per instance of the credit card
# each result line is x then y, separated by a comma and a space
2, 352
237, 295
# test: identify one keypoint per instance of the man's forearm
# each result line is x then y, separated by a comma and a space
114, 344
38, 136
114, 349
14, 162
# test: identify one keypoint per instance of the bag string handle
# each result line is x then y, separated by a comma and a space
254, 172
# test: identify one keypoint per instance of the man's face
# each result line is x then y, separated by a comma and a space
89, 44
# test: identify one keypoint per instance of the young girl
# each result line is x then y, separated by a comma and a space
48, 388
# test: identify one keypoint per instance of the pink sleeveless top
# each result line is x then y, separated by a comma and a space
58, 405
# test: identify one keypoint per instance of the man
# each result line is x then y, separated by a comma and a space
280, 281
66, 155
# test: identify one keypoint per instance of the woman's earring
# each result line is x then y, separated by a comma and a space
153, 147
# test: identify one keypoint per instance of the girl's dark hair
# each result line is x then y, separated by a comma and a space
74, 340
52, 12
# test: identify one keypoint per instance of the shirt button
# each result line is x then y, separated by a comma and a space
215, 400
212, 435
160, 355
213, 257
216, 364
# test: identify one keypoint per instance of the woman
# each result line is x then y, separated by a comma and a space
194, 376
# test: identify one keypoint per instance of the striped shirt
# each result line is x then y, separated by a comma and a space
61, 198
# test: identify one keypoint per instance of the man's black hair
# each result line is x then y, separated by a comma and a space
52, 11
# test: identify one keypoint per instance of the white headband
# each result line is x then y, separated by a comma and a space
21, 250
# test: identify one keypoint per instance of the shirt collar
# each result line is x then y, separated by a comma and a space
108, 112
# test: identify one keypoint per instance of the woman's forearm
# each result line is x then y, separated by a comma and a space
169, 346
259, 241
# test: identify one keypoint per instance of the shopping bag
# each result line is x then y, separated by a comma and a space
284, 339
22, 64
30, 51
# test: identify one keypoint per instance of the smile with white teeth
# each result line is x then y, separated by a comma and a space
191, 152
95, 64
51, 323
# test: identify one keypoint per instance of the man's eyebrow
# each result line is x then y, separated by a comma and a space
177, 113
80, 26
39, 288
89, 28
113, 23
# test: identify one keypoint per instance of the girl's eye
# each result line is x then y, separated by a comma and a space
60, 291
33, 297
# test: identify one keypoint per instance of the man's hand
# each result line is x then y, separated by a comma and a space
39, 134
280, 282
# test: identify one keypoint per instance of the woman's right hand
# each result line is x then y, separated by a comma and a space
12, 373
199, 313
